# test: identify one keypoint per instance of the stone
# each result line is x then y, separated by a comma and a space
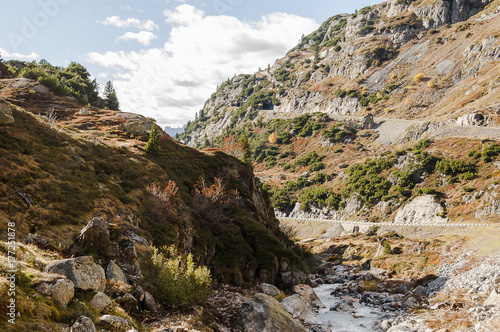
100, 302
128, 303
263, 313
422, 210
114, 323
83, 324
38, 240
269, 289
493, 299
309, 296
84, 112
149, 302
61, 291
6, 116
95, 236
296, 306
368, 121
115, 273
473, 119
82, 271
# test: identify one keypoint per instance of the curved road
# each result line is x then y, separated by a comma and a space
361, 223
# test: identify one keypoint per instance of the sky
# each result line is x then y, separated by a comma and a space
164, 57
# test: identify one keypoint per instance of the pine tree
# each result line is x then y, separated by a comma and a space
110, 98
153, 145
245, 146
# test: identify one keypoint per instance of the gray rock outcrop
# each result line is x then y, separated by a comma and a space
263, 313
422, 210
82, 271
61, 290
95, 236
309, 296
6, 116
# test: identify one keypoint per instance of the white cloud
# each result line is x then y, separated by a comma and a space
172, 83
143, 37
129, 22
18, 56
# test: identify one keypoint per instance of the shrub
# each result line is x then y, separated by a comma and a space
317, 166
422, 144
387, 248
309, 158
418, 78
454, 167
431, 85
178, 281
474, 154
490, 150
280, 199
153, 145
320, 197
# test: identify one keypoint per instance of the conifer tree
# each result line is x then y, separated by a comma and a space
110, 98
153, 145
245, 146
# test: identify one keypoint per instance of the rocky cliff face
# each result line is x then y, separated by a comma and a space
351, 59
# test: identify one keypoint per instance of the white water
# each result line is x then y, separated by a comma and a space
339, 321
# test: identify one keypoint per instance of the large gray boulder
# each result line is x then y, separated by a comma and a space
6, 116
82, 271
263, 313
296, 306
309, 296
115, 273
96, 237
100, 302
60, 290
83, 324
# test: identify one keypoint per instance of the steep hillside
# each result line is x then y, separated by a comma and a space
373, 84
77, 181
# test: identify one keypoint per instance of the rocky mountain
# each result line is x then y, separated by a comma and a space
403, 82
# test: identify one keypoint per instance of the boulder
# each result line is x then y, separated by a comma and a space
100, 302
114, 324
473, 119
128, 303
82, 271
368, 121
269, 289
115, 273
6, 116
96, 237
83, 324
422, 210
61, 291
493, 299
296, 306
309, 296
84, 112
263, 313
149, 302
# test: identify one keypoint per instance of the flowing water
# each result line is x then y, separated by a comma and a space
339, 321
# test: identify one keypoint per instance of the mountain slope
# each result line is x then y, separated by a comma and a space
364, 85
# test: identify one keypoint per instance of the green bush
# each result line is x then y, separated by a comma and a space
178, 281
422, 144
387, 248
489, 151
309, 159
320, 197
153, 145
280, 199
317, 166
454, 167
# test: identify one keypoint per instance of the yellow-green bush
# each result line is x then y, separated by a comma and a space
418, 78
178, 280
